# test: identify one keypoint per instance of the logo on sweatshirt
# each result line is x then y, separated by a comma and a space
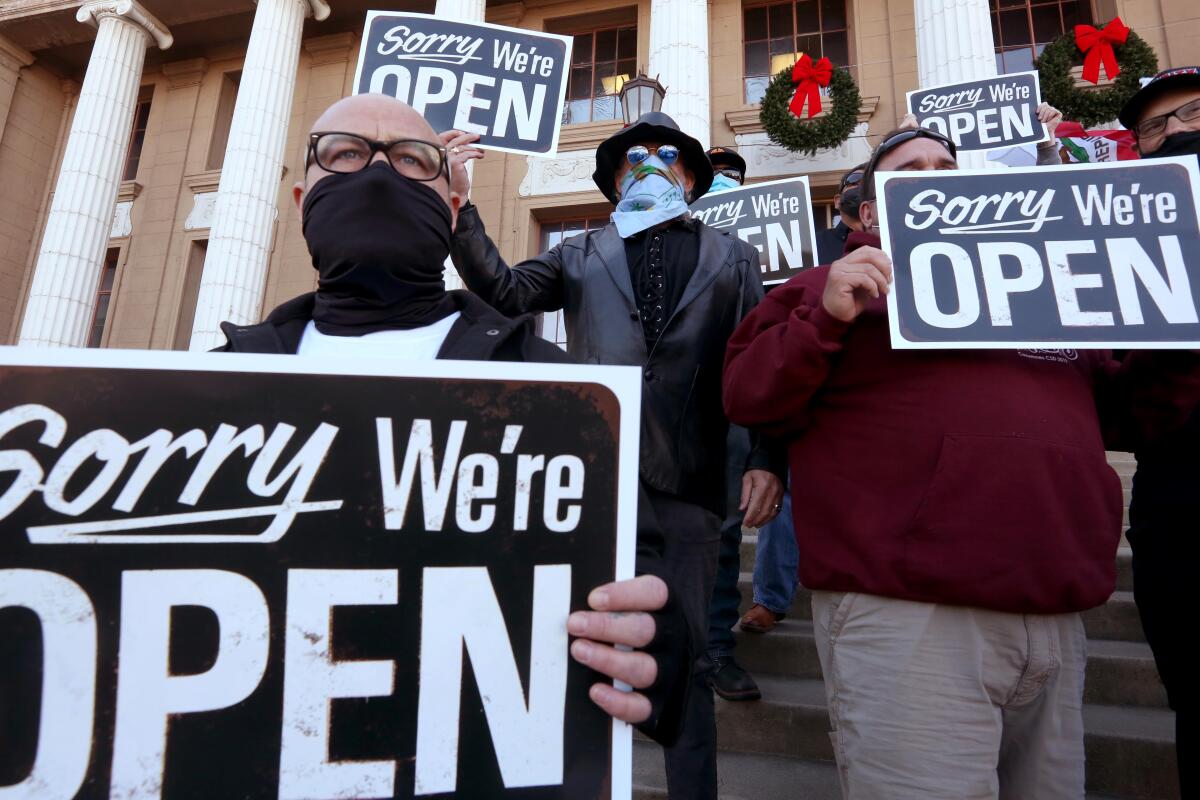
1059, 356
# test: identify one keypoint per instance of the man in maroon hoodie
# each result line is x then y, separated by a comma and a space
954, 512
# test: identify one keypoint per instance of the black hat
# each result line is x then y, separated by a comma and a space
1165, 81
653, 126
726, 157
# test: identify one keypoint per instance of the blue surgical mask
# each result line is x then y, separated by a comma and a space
722, 182
650, 194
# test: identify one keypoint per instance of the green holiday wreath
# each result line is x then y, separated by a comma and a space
810, 135
1092, 106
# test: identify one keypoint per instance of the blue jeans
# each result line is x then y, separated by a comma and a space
723, 610
776, 561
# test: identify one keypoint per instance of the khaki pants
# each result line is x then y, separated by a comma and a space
935, 702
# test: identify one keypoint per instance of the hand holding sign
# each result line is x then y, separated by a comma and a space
855, 280
458, 152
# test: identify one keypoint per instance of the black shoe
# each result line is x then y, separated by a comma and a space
729, 680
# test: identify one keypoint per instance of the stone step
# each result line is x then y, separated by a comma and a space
750, 776
1124, 561
1116, 620
1118, 673
1130, 751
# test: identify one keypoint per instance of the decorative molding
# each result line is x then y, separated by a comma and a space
129, 11
567, 173
317, 9
122, 224
12, 55
129, 191
201, 216
332, 49
181, 74
745, 120
507, 14
587, 135
203, 182
765, 159
70, 88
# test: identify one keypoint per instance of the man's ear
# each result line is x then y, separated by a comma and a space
866, 214
298, 192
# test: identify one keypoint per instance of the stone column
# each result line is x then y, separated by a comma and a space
954, 43
239, 246
463, 11
679, 58
13, 58
68, 267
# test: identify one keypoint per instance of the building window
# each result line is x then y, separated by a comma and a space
193, 272
103, 296
825, 216
775, 36
141, 116
550, 325
601, 60
1022, 28
223, 121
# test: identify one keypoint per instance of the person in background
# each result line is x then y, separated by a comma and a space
656, 289
728, 678
832, 241
955, 514
1165, 504
373, 166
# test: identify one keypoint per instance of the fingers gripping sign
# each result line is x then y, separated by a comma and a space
460, 152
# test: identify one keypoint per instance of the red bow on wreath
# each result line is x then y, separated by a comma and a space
1097, 48
809, 77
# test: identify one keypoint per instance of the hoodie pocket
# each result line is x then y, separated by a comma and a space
1016, 524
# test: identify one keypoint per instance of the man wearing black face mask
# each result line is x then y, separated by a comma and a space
377, 212
1165, 117
831, 242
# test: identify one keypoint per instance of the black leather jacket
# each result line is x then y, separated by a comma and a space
683, 422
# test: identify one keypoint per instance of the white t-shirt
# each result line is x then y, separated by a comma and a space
417, 344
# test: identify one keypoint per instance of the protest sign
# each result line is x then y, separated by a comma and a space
1080, 255
506, 84
263, 576
985, 114
775, 217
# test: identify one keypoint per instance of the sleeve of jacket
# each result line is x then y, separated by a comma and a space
766, 452
780, 356
533, 285
673, 650
1146, 396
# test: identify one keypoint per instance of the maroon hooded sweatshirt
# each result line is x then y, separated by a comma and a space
968, 477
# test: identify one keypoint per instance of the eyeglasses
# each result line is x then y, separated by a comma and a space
335, 151
1155, 126
732, 174
896, 139
667, 153
853, 179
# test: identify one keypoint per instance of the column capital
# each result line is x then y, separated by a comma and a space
130, 11
317, 9
12, 55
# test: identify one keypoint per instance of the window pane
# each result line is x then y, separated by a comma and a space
107, 277
605, 108
98, 324
834, 47
1014, 27
581, 53
757, 58
581, 83
627, 68
1046, 24
578, 111
807, 19
811, 44
603, 71
780, 19
1019, 60
780, 47
1075, 12
606, 45
627, 43
996, 32
754, 24
1013, 3
755, 89
833, 14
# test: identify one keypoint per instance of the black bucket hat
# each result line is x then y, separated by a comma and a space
726, 157
653, 126
1165, 81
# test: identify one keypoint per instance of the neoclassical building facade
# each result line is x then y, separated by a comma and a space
148, 147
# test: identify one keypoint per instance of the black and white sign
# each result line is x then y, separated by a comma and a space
1082, 256
259, 576
983, 115
775, 217
506, 84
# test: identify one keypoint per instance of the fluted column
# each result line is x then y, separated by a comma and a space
679, 59
63, 289
954, 43
239, 245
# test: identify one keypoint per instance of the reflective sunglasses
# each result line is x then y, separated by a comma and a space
732, 174
1155, 126
667, 153
343, 153
897, 139
853, 179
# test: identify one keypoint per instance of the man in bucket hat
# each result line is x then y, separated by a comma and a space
656, 289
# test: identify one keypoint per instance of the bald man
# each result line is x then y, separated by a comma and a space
377, 211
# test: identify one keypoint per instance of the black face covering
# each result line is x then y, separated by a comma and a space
379, 241
1186, 143
849, 203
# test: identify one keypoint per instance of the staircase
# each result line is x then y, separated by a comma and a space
778, 748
